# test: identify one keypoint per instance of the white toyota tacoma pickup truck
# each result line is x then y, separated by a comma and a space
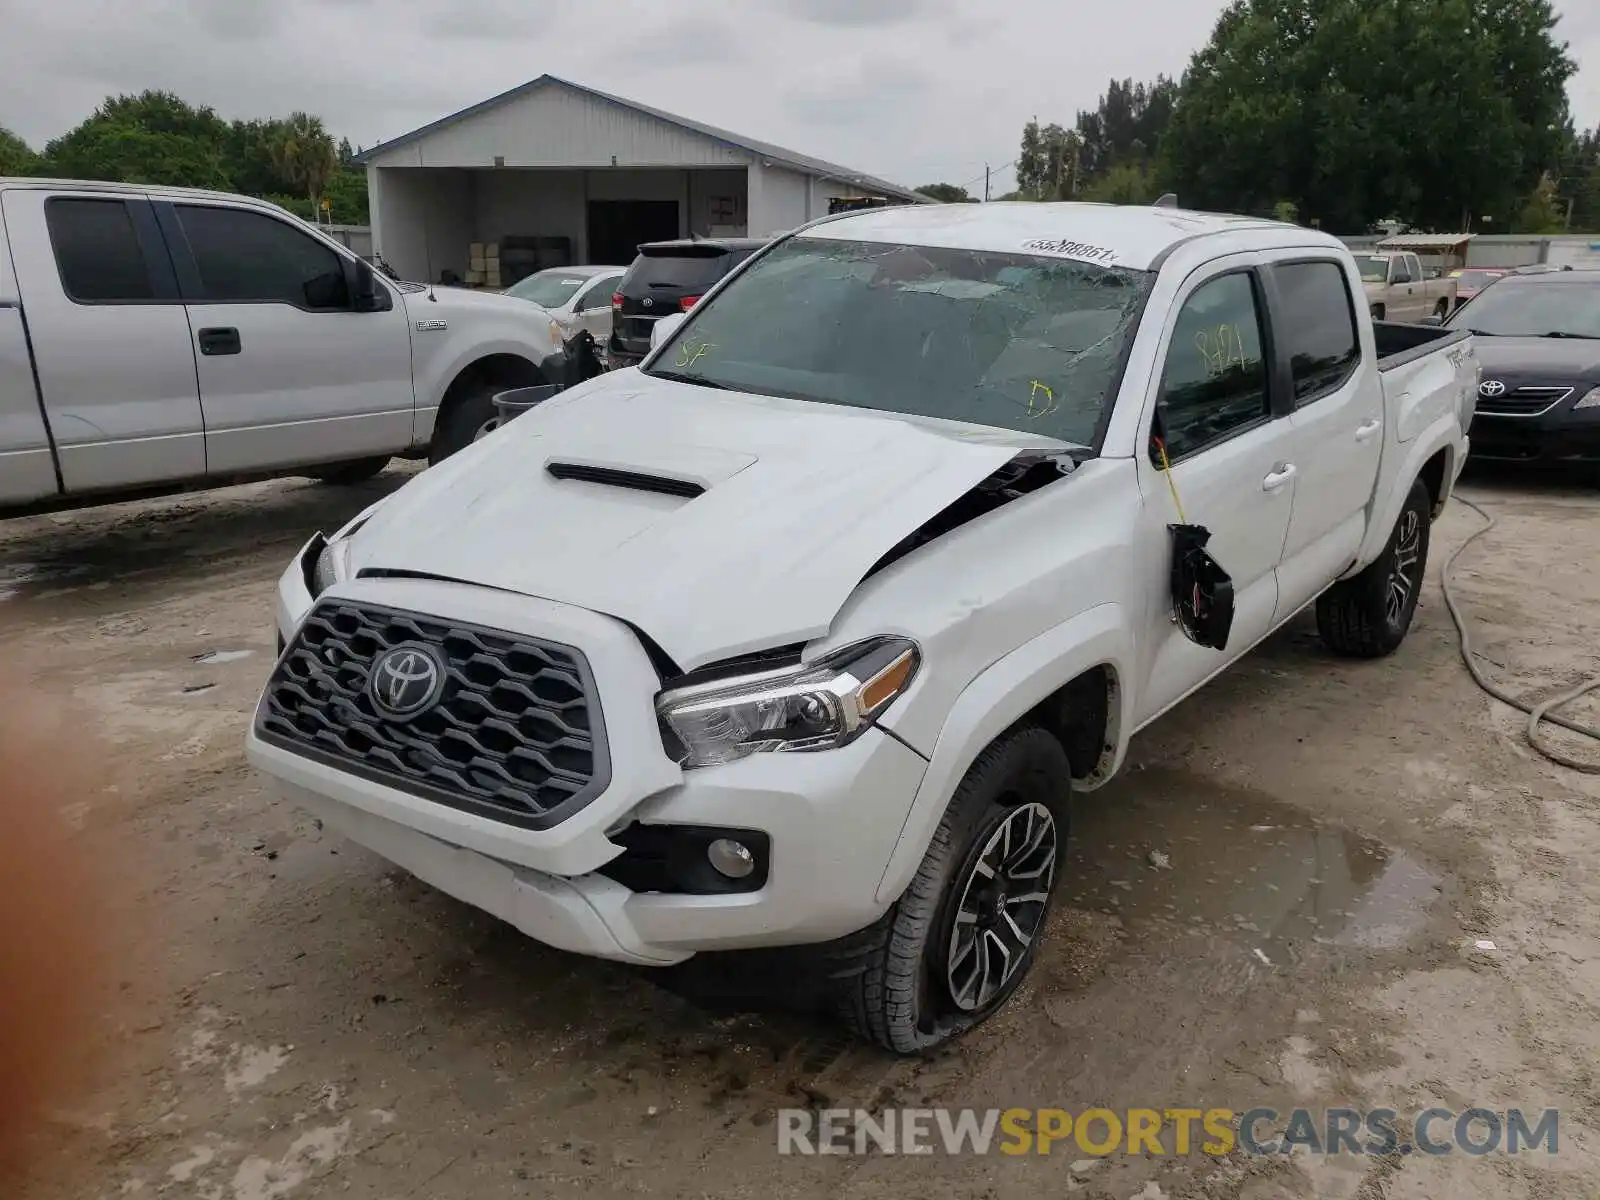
806, 631
164, 339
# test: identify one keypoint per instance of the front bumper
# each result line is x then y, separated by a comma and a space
833, 818
1557, 438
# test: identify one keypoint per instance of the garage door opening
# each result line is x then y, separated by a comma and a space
618, 227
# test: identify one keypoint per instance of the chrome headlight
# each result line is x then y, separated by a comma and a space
815, 706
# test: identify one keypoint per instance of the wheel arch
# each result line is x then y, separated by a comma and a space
1072, 679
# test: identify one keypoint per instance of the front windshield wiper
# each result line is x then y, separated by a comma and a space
1481, 332
684, 377
1561, 333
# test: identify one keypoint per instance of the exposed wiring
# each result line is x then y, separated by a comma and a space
1539, 713
1166, 469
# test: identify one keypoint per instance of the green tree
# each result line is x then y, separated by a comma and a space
1048, 163
1125, 127
153, 137
1353, 110
947, 193
1126, 183
306, 155
16, 156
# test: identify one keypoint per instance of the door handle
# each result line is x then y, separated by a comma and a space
221, 340
1281, 475
1368, 430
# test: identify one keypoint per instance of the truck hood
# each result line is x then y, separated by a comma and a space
571, 502
448, 301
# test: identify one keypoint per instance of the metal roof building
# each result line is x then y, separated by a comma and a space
553, 173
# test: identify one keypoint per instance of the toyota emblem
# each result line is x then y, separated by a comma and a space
1490, 388
648, 302
406, 681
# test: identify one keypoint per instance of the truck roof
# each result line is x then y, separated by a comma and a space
143, 189
1107, 234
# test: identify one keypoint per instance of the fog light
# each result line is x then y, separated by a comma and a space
731, 858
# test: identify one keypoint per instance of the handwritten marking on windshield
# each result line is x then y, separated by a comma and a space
1070, 249
692, 352
1038, 408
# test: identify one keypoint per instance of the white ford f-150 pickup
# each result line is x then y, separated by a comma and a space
163, 339
806, 631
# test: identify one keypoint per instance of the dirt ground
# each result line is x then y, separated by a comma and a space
298, 1020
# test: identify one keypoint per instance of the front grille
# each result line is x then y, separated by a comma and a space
516, 734
1523, 401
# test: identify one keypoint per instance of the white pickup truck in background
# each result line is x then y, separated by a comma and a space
161, 339
805, 632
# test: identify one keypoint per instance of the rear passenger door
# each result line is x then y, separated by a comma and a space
110, 338
1214, 411
290, 373
1336, 430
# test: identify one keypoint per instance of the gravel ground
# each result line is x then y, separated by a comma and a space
296, 1019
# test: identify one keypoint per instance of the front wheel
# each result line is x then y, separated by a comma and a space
1368, 616
956, 946
1442, 309
1377, 312
469, 417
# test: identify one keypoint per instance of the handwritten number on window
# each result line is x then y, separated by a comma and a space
1221, 349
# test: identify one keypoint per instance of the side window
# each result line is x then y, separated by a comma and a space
1318, 328
1215, 380
98, 252
251, 258
599, 293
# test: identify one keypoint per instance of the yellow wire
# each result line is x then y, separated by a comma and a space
1166, 468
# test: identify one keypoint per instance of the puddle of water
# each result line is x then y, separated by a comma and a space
1240, 865
216, 657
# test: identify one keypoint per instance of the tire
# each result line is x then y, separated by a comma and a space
1442, 309
348, 474
904, 982
1368, 616
468, 416
1377, 312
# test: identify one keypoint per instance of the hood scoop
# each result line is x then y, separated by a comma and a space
633, 481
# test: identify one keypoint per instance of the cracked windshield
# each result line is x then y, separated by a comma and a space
799, 600
1019, 342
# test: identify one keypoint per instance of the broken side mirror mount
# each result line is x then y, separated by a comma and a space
1202, 592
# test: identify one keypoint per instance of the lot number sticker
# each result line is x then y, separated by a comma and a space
1082, 251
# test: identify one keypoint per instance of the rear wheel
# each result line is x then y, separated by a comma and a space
1377, 312
960, 941
1368, 616
347, 474
1442, 309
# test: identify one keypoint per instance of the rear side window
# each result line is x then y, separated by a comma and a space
251, 258
98, 252
1319, 327
681, 272
1215, 380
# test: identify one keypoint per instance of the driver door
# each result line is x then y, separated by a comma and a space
289, 372
1227, 443
592, 308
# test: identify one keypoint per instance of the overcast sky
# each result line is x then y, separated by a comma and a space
916, 91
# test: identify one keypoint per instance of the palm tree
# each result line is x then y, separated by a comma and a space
307, 155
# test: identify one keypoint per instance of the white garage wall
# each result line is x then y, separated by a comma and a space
422, 220
554, 126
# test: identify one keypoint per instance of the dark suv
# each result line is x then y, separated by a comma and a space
667, 278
